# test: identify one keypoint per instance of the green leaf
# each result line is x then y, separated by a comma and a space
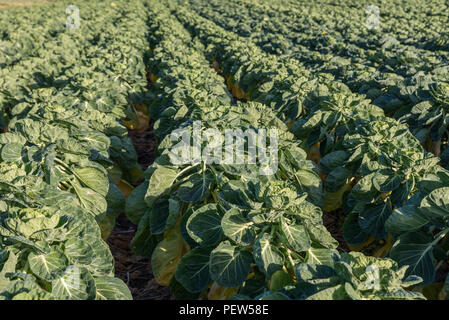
280, 279
135, 203
415, 250
230, 265
274, 296
91, 200
436, 204
238, 228
80, 251
204, 225
333, 293
94, 179
352, 232
144, 241
48, 266
160, 182
24, 290
158, 216
372, 219
75, 284
333, 161
196, 188
11, 152
193, 269
321, 256
385, 183
181, 293
9, 266
110, 288
296, 236
337, 179
267, 256
405, 219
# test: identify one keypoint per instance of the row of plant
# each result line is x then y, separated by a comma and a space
25, 31
65, 155
225, 230
372, 166
412, 23
409, 81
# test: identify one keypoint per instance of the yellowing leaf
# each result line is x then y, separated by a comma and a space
143, 121
363, 245
142, 107
314, 153
382, 251
166, 256
125, 188
115, 173
218, 292
384, 195
333, 200
153, 78
130, 124
238, 92
135, 173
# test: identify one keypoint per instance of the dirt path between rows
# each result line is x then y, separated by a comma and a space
135, 270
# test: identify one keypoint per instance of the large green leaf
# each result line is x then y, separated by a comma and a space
75, 284
48, 266
94, 179
238, 228
296, 236
160, 182
159, 214
415, 250
9, 266
135, 203
436, 204
204, 225
230, 265
11, 152
352, 232
91, 200
321, 256
405, 219
109, 288
196, 188
372, 219
266, 255
193, 269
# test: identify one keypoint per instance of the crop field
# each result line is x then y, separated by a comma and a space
215, 150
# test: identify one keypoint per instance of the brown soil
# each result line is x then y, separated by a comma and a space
331, 221
145, 145
135, 270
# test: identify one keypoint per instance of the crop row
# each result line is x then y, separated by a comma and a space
391, 65
65, 151
214, 229
373, 168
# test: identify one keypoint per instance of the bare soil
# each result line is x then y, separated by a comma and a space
135, 270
